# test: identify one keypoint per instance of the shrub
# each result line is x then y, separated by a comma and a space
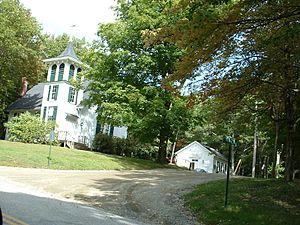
29, 128
125, 147
104, 143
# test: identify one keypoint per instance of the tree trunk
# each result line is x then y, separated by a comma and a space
162, 150
289, 161
255, 143
274, 172
232, 159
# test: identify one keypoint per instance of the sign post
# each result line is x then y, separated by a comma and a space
51, 139
230, 141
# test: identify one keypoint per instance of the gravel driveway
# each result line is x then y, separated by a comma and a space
150, 196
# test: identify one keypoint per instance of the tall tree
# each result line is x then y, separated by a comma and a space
20, 52
126, 76
251, 48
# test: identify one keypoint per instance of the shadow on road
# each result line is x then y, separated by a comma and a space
35, 210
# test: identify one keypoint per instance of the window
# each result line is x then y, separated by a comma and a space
78, 71
53, 71
71, 72
98, 128
52, 92
111, 130
16, 114
218, 167
61, 71
52, 113
72, 93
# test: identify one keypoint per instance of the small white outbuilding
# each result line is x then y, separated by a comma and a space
196, 156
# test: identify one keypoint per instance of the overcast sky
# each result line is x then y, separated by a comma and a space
57, 16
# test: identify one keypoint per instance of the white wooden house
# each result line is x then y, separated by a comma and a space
196, 156
58, 100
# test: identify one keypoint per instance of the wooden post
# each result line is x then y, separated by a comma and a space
227, 181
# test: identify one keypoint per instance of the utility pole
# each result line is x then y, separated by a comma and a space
255, 142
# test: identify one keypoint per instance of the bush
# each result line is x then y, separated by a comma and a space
104, 143
29, 129
125, 147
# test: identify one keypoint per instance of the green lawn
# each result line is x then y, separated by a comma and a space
35, 156
249, 202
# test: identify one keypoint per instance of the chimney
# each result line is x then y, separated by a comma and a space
24, 86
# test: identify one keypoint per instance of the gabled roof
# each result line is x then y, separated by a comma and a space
69, 51
212, 150
32, 99
215, 152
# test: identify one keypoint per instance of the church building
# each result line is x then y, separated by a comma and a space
59, 101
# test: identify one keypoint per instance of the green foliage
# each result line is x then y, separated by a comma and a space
127, 76
250, 201
124, 147
104, 143
53, 46
241, 55
20, 47
29, 128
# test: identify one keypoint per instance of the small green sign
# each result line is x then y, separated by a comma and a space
229, 140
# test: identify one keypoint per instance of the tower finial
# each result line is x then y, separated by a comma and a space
71, 33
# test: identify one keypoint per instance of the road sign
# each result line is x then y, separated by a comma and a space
229, 140
52, 136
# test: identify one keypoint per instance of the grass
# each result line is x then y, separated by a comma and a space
250, 201
35, 156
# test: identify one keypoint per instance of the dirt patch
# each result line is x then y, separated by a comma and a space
150, 196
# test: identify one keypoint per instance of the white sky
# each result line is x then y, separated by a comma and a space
57, 16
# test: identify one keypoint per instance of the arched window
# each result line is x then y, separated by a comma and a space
78, 71
53, 71
71, 72
61, 71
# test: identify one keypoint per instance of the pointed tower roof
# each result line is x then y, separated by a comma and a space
69, 51
67, 54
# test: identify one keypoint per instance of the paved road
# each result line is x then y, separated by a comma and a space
150, 196
35, 210
28, 209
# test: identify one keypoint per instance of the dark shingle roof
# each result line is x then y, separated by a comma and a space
32, 99
69, 51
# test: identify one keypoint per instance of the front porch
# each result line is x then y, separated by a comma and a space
72, 141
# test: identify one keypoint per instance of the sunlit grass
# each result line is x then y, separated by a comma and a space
252, 202
35, 156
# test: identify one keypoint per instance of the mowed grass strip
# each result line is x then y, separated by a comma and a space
250, 201
35, 156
